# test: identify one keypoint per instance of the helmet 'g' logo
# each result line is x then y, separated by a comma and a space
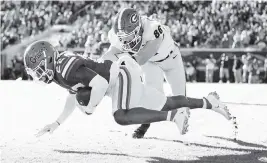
32, 59
134, 18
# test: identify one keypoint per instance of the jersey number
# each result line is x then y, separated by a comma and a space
59, 62
158, 31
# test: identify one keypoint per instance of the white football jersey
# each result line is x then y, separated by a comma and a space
152, 30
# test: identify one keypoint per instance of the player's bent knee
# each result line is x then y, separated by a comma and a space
120, 117
168, 105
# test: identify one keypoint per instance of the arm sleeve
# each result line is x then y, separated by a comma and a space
154, 30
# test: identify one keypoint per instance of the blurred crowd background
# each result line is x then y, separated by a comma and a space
201, 24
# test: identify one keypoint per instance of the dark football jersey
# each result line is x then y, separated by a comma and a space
73, 71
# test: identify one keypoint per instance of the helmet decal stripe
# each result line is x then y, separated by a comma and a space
45, 58
65, 69
119, 20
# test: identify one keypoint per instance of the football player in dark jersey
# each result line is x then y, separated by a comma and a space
89, 81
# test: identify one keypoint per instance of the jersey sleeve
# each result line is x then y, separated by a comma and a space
69, 68
152, 29
65, 64
75, 70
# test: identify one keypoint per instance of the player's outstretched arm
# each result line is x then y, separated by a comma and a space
68, 109
148, 51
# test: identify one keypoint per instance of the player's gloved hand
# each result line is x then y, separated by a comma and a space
48, 128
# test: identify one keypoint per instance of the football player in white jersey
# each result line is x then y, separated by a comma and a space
150, 43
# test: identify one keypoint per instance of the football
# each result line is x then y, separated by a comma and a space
83, 95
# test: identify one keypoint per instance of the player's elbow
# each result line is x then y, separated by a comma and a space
148, 51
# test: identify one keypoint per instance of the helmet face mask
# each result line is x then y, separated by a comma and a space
39, 60
129, 41
41, 72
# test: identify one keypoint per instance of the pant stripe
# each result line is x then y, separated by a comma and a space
122, 84
129, 85
120, 92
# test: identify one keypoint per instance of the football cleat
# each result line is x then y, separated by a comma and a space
218, 106
141, 131
181, 119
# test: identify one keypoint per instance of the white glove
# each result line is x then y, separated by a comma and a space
48, 128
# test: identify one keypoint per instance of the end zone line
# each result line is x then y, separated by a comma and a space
243, 103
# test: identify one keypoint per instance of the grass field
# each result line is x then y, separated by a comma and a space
27, 107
